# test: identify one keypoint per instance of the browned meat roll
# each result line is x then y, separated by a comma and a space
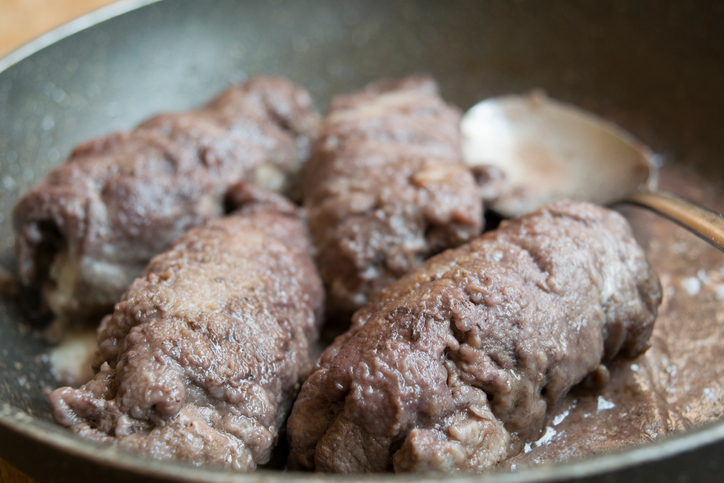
386, 188
204, 354
455, 366
91, 225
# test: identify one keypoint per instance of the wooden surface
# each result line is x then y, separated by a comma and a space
23, 20
20, 22
8, 474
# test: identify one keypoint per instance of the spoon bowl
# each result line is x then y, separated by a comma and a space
549, 150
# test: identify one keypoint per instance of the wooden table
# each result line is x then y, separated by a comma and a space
20, 22
23, 20
8, 474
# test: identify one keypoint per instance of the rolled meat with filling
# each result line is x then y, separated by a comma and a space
455, 366
205, 352
386, 188
91, 225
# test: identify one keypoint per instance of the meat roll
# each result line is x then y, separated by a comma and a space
455, 366
204, 354
92, 224
386, 188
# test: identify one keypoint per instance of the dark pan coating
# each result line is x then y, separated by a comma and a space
386, 188
92, 224
203, 356
455, 366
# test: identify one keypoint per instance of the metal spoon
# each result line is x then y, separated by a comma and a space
549, 150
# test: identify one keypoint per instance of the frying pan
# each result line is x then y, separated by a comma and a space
655, 67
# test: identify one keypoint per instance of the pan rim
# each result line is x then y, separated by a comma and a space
44, 433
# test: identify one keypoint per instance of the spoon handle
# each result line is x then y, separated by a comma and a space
703, 222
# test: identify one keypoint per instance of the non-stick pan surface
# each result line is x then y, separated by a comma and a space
659, 63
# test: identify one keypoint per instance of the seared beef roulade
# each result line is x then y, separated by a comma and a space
205, 352
386, 188
455, 366
92, 224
